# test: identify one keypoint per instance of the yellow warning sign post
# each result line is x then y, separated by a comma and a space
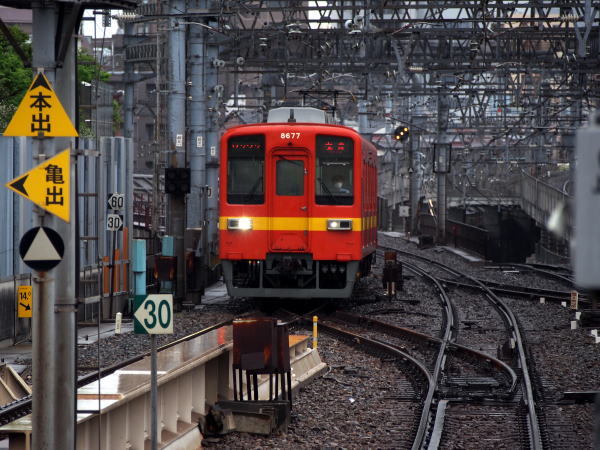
40, 113
48, 185
24, 301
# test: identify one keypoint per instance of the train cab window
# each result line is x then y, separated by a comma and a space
290, 177
245, 170
334, 171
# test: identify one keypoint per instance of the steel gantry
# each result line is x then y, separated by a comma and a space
517, 77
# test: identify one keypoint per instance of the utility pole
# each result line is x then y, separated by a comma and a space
196, 147
176, 133
441, 165
128, 126
214, 92
55, 304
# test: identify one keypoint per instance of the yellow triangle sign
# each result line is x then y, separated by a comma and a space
40, 113
48, 185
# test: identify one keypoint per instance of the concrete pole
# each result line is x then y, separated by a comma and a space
212, 144
55, 305
363, 119
65, 275
414, 160
43, 332
441, 209
128, 126
442, 126
196, 147
176, 133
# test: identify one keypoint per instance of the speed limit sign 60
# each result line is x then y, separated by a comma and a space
116, 201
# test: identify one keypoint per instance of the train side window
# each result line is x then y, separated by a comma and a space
290, 177
245, 170
334, 170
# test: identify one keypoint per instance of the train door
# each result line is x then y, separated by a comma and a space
289, 203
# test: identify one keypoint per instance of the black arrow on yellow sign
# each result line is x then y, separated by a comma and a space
27, 307
19, 185
40, 81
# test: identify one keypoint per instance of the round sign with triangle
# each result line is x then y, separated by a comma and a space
41, 248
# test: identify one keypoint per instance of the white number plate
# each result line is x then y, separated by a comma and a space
290, 135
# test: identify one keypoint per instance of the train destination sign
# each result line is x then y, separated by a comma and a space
41, 248
40, 113
334, 145
48, 185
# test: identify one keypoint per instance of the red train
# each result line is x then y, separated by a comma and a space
298, 207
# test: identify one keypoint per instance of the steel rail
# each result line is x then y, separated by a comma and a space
529, 397
453, 347
356, 339
448, 337
521, 291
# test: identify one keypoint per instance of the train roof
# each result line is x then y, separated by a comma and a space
297, 114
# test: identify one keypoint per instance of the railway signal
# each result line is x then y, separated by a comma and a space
177, 181
401, 133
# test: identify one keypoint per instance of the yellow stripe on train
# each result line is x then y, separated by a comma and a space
300, 223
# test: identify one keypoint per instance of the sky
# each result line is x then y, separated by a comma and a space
88, 25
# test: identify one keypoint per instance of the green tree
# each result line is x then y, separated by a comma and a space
15, 78
88, 69
117, 117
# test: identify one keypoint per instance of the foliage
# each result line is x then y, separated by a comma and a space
15, 78
88, 69
85, 130
117, 117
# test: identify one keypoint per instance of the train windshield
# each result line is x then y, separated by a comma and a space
245, 170
335, 174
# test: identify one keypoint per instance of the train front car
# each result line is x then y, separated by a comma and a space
297, 209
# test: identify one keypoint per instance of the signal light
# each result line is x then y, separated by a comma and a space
401, 133
177, 181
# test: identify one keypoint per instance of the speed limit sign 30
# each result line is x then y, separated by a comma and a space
153, 314
114, 222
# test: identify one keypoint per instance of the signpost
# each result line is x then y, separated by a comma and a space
40, 113
41, 116
153, 315
24, 300
48, 185
574, 300
114, 222
116, 201
41, 248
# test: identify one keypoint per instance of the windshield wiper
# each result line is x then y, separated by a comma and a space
253, 190
328, 192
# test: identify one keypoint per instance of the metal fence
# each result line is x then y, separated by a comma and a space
539, 199
98, 173
468, 237
458, 234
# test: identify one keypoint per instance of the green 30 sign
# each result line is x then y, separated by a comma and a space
153, 314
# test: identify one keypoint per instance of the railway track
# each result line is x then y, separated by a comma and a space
516, 341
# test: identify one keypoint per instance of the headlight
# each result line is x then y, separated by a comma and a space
241, 223
339, 224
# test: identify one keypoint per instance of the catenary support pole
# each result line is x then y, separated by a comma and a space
196, 147
212, 143
128, 126
54, 328
176, 132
